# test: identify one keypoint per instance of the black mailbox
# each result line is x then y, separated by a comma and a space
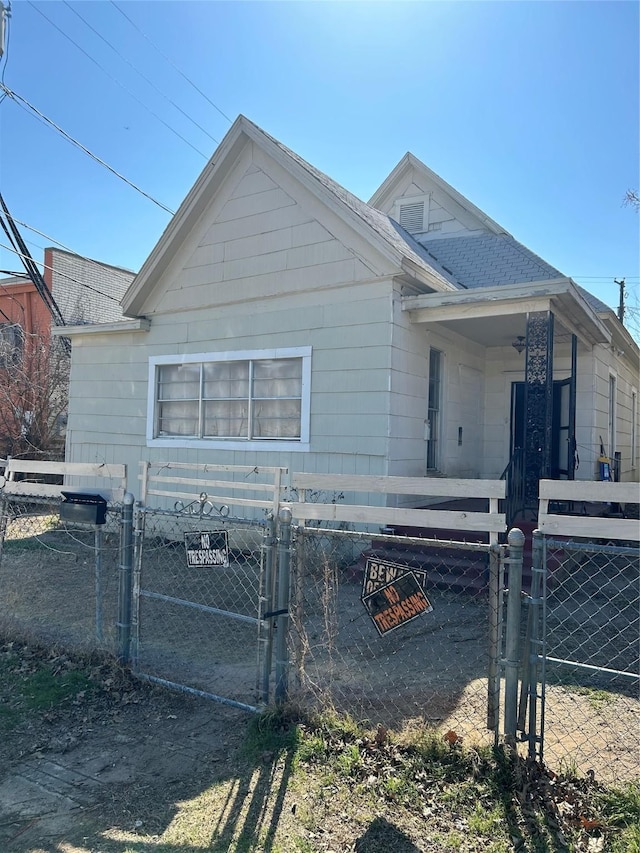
85, 507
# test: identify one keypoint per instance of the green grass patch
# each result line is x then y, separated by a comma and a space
597, 698
620, 812
32, 681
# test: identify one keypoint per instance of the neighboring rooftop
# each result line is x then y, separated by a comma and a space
86, 291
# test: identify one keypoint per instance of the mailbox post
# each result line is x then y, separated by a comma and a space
89, 508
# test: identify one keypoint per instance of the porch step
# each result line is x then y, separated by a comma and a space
462, 571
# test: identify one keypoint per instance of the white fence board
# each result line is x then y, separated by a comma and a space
106, 475
442, 519
426, 486
579, 492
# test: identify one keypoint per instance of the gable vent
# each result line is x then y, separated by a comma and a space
412, 216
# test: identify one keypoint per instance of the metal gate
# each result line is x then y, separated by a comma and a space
579, 701
202, 584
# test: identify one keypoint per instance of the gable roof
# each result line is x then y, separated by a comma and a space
410, 165
385, 235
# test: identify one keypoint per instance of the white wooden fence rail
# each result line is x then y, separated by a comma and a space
577, 492
158, 480
109, 479
492, 521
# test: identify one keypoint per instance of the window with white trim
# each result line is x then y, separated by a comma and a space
230, 399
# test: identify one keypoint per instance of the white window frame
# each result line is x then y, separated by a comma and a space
434, 445
612, 419
290, 445
634, 427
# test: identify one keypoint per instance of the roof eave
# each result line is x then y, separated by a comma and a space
559, 295
424, 277
185, 217
140, 324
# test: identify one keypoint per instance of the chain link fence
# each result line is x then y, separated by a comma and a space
588, 639
390, 629
421, 652
201, 587
58, 579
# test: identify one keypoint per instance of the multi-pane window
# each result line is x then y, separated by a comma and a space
433, 413
231, 399
11, 344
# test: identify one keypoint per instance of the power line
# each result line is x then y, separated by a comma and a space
144, 77
64, 275
22, 102
117, 82
15, 238
171, 62
62, 245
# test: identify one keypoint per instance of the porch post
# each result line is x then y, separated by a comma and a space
572, 408
538, 402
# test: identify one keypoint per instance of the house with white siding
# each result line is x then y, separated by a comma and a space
282, 321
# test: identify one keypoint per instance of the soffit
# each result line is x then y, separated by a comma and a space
495, 316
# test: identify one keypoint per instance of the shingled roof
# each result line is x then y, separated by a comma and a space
393, 234
487, 260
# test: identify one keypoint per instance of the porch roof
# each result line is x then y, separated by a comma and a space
494, 316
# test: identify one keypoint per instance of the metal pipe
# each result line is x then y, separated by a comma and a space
125, 579
516, 541
269, 606
534, 648
282, 618
493, 695
97, 547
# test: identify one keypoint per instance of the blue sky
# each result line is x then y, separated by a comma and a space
530, 109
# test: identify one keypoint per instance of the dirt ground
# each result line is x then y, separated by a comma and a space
111, 766
121, 762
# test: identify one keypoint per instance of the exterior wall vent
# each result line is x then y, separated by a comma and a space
412, 217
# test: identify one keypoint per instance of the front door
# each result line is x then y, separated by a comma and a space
562, 427
562, 432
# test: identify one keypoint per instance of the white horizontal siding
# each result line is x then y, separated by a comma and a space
244, 206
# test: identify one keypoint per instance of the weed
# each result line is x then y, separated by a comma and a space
620, 808
400, 788
569, 768
484, 822
303, 846
349, 761
273, 731
596, 698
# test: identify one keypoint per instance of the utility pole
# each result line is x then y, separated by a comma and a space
621, 303
5, 14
